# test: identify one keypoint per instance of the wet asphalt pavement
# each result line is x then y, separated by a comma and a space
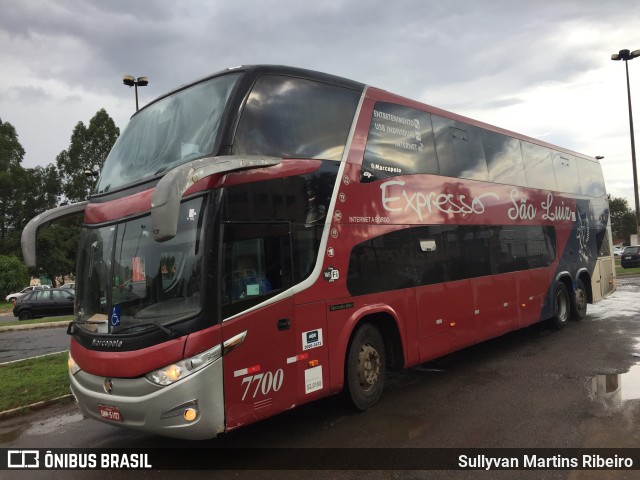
535, 388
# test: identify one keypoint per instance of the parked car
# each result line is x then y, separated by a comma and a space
69, 285
630, 257
45, 303
617, 251
12, 297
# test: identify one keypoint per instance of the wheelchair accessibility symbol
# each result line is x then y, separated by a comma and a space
115, 316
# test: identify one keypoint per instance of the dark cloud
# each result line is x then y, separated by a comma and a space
25, 95
404, 46
468, 55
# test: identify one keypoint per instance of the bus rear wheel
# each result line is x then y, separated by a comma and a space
579, 302
365, 369
562, 306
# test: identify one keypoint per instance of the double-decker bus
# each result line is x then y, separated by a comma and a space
268, 236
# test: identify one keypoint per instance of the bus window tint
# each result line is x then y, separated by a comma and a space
295, 118
168, 133
381, 264
509, 249
305, 244
591, 179
434, 254
429, 261
504, 159
538, 166
400, 142
566, 171
601, 229
459, 149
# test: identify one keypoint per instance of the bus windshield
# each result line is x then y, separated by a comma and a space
167, 133
131, 280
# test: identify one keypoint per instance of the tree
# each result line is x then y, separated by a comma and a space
88, 149
24, 193
13, 275
12, 182
623, 219
57, 247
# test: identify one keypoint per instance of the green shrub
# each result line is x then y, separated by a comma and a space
14, 275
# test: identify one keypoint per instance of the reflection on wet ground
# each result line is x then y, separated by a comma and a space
14, 428
615, 389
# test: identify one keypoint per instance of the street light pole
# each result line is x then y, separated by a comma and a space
131, 81
626, 55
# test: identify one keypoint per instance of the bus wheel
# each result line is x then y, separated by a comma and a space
561, 306
366, 367
579, 302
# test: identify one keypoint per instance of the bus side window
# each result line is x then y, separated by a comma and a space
256, 264
382, 264
429, 255
566, 172
504, 159
400, 142
459, 149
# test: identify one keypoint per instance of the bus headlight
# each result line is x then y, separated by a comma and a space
73, 366
176, 371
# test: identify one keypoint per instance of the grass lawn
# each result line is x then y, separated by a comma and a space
35, 380
6, 307
60, 318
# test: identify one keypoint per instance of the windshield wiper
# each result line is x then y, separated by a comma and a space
168, 331
71, 327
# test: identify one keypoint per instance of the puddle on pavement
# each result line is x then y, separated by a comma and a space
53, 424
16, 428
615, 389
12, 431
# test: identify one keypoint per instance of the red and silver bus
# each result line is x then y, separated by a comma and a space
268, 236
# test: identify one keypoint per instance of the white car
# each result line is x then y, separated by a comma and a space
617, 251
12, 297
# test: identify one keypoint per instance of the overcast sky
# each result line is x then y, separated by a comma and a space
541, 68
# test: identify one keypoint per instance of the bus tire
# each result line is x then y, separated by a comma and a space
365, 368
561, 306
579, 302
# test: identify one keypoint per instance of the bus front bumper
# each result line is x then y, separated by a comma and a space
138, 404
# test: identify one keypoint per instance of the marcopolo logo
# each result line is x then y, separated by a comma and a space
23, 459
102, 343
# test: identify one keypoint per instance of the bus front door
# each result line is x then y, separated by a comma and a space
258, 327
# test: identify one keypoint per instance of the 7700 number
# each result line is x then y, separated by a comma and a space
264, 383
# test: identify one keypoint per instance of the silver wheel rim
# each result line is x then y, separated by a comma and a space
561, 307
368, 367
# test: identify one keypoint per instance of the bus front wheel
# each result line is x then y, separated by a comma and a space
365, 369
562, 306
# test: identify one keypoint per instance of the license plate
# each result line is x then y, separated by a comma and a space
627, 258
110, 413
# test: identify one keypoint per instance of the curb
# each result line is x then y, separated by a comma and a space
34, 406
33, 326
